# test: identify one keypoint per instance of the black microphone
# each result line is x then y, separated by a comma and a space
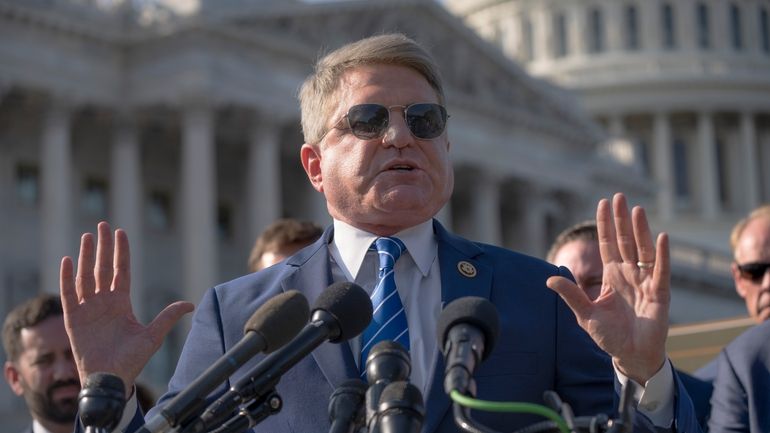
346, 407
467, 330
342, 311
101, 402
401, 409
387, 362
270, 327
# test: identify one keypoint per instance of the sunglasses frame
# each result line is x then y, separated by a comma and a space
747, 270
403, 108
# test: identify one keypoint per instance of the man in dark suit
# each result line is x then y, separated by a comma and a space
39, 365
741, 400
377, 148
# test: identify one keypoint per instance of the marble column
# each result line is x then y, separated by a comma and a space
57, 206
264, 176
126, 201
485, 210
614, 24
199, 235
577, 28
650, 25
708, 169
749, 157
663, 165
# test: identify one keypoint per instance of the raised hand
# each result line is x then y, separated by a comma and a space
103, 331
629, 319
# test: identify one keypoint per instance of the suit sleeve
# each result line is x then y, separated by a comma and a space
729, 404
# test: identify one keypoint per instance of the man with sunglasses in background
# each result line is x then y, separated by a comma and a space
377, 147
741, 399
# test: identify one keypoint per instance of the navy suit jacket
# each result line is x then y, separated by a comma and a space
540, 346
741, 399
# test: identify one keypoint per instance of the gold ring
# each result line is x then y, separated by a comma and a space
645, 265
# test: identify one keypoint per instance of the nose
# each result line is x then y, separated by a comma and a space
397, 134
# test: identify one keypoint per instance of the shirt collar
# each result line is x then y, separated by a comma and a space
350, 245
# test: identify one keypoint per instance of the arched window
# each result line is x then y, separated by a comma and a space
736, 34
595, 30
668, 26
764, 30
632, 28
704, 27
560, 35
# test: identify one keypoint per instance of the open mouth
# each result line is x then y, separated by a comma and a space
402, 167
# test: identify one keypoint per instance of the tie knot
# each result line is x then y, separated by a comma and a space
389, 249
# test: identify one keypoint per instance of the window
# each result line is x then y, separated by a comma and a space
596, 31
764, 30
681, 181
736, 35
225, 221
632, 28
94, 200
704, 33
159, 210
528, 45
560, 35
27, 184
669, 28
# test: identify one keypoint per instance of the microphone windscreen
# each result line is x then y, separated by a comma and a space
401, 394
472, 310
279, 319
106, 381
350, 305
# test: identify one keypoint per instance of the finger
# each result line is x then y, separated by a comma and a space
605, 229
122, 279
69, 297
661, 274
643, 235
161, 325
104, 251
576, 299
84, 283
624, 229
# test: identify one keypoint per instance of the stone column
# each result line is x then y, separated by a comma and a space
126, 200
533, 220
56, 206
708, 170
264, 176
485, 211
199, 238
663, 165
577, 28
649, 26
614, 23
749, 157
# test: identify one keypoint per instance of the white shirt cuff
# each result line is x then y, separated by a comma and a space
128, 413
656, 398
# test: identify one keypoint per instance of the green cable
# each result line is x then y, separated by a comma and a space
498, 406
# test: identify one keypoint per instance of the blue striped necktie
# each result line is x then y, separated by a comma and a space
389, 318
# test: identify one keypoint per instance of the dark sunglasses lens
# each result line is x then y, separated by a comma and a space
426, 120
368, 121
754, 271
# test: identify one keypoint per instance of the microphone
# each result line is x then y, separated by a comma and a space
467, 329
387, 362
346, 407
101, 402
401, 409
270, 327
342, 311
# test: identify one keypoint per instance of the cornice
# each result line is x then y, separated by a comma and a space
54, 21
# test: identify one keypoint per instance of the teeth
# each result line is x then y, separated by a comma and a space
401, 167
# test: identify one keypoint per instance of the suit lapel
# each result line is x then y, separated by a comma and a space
334, 360
454, 253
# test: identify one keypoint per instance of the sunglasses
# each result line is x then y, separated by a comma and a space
369, 121
754, 271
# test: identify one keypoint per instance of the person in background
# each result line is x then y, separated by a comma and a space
281, 239
577, 249
750, 243
39, 365
741, 400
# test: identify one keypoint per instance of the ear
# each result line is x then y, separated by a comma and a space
737, 280
13, 378
311, 162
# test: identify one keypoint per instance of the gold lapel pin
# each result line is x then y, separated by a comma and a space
466, 269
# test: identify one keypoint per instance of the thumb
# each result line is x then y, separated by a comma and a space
575, 298
161, 325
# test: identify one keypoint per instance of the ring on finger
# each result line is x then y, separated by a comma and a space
645, 265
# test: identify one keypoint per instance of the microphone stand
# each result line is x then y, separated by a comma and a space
252, 413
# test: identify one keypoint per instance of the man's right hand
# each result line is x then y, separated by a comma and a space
103, 331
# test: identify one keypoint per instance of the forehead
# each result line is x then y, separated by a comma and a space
578, 252
48, 335
754, 243
384, 84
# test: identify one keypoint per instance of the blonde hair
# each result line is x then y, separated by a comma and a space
317, 94
735, 235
